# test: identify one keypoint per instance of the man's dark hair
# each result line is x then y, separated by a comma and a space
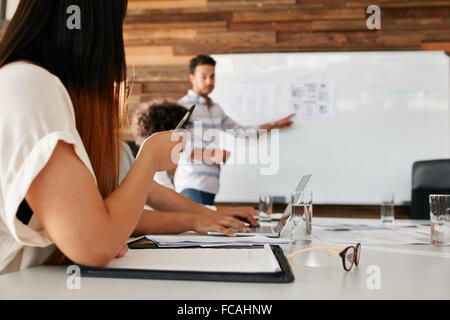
201, 60
155, 116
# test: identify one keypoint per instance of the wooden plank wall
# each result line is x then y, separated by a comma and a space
162, 36
337, 211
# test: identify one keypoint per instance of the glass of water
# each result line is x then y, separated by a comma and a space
440, 219
387, 208
265, 206
301, 216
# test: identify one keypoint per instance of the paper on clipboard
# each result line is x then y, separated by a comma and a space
261, 260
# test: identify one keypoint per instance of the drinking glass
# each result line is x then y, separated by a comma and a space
440, 219
301, 216
387, 208
265, 206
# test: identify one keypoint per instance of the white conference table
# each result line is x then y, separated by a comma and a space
402, 271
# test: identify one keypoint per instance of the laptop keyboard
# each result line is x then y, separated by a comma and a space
263, 229
267, 229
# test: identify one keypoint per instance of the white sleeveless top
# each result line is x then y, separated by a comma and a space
35, 113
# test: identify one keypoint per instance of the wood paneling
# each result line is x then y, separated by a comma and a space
162, 36
139, 5
298, 14
338, 211
436, 46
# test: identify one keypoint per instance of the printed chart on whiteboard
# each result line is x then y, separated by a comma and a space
312, 100
256, 101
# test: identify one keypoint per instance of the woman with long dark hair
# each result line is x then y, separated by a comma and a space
62, 94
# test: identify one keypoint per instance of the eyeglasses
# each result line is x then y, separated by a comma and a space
350, 255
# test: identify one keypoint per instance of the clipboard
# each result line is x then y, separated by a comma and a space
283, 276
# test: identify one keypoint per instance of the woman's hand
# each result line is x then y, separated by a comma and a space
164, 148
244, 213
203, 223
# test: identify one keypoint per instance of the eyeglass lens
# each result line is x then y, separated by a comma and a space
358, 253
349, 258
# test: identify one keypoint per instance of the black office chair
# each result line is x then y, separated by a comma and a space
428, 177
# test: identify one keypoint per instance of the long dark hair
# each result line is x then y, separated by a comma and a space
89, 61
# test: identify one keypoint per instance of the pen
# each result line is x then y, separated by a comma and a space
185, 118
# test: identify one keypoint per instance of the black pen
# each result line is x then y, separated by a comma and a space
185, 118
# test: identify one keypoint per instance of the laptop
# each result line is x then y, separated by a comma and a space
271, 230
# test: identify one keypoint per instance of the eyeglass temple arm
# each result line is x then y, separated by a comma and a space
330, 250
130, 87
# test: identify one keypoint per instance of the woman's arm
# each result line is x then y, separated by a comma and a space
165, 199
154, 222
86, 228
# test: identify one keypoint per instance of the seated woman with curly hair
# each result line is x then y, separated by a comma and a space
162, 115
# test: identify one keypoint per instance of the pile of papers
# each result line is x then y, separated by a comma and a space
372, 233
332, 231
360, 226
190, 240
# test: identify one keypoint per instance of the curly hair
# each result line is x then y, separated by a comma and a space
155, 116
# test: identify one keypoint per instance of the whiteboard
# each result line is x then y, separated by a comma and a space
390, 109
